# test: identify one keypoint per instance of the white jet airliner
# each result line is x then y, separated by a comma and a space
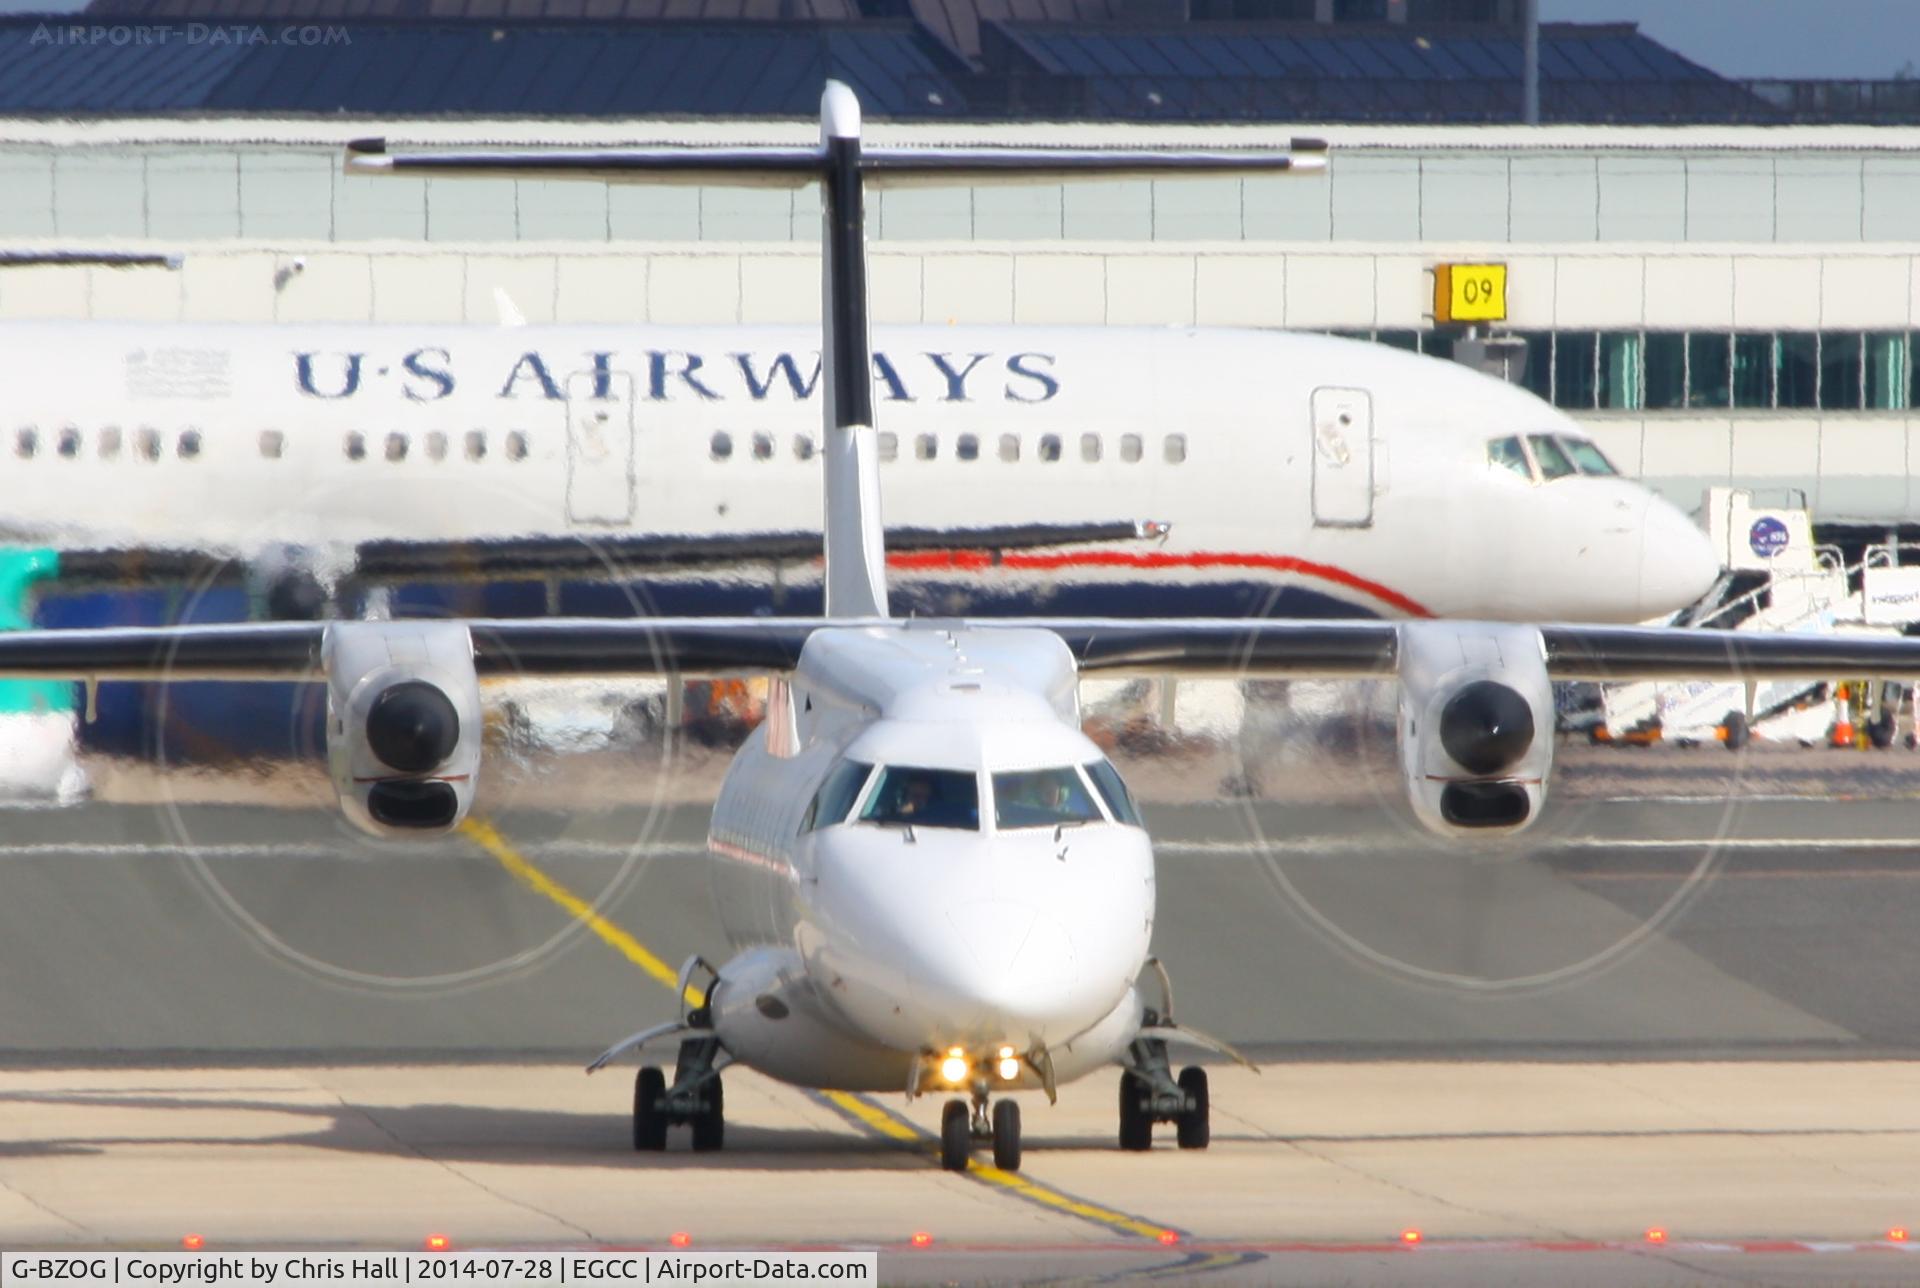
933, 880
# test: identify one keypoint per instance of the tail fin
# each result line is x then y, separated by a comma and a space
856, 556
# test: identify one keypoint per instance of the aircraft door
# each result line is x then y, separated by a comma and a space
600, 448
1342, 453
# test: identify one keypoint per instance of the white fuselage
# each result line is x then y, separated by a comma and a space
1320, 476
862, 946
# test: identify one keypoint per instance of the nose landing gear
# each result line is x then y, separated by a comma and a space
960, 1128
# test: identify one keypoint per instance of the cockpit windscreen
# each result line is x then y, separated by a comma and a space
925, 798
1042, 798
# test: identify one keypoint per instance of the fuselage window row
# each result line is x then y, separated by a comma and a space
1048, 448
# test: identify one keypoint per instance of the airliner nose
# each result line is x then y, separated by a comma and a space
1004, 966
1677, 561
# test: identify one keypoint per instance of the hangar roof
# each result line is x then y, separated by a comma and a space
1086, 60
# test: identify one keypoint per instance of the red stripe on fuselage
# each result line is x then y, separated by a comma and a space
981, 560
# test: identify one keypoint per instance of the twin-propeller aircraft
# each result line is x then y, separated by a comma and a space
942, 884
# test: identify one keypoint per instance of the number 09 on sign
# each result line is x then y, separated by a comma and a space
1469, 292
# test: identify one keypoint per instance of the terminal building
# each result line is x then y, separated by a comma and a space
1720, 278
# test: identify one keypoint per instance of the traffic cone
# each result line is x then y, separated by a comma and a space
1842, 718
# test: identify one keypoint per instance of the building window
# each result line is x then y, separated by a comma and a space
1090, 448
1886, 371
1619, 387
356, 446
1709, 375
436, 445
1174, 448
1665, 358
26, 442
516, 445
1536, 368
1841, 353
1009, 447
762, 447
396, 447
273, 444
1751, 372
1796, 369
111, 440
967, 447
1130, 448
1408, 340
1049, 447
720, 446
926, 447
69, 443
476, 445
889, 445
1575, 359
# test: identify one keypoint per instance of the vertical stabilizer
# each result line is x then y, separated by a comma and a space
856, 557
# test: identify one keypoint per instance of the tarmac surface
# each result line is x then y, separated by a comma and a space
1686, 1002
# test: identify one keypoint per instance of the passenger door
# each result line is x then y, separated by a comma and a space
600, 482
1342, 451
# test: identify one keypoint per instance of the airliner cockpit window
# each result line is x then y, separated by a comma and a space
1588, 457
924, 798
1507, 452
1553, 462
836, 795
1042, 798
1107, 781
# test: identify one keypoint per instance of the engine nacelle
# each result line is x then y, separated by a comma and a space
1476, 724
403, 724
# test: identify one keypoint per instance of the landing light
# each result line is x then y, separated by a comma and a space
954, 1067
1009, 1068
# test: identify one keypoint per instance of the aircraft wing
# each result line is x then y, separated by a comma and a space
1254, 648
1359, 649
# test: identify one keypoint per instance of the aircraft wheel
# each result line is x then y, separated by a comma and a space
710, 1124
1194, 1125
649, 1117
1136, 1127
1006, 1136
1738, 734
956, 1136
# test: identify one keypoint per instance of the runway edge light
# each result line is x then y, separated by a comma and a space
192, 1242
1410, 1236
1656, 1235
680, 1239
438, 1243
921, 1239
1898, 1234
1169, 1237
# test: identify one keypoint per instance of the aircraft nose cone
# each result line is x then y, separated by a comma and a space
1677, 561
1005, 967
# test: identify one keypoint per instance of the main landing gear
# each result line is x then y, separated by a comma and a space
1149, 1094
960, 1128
696, 1098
